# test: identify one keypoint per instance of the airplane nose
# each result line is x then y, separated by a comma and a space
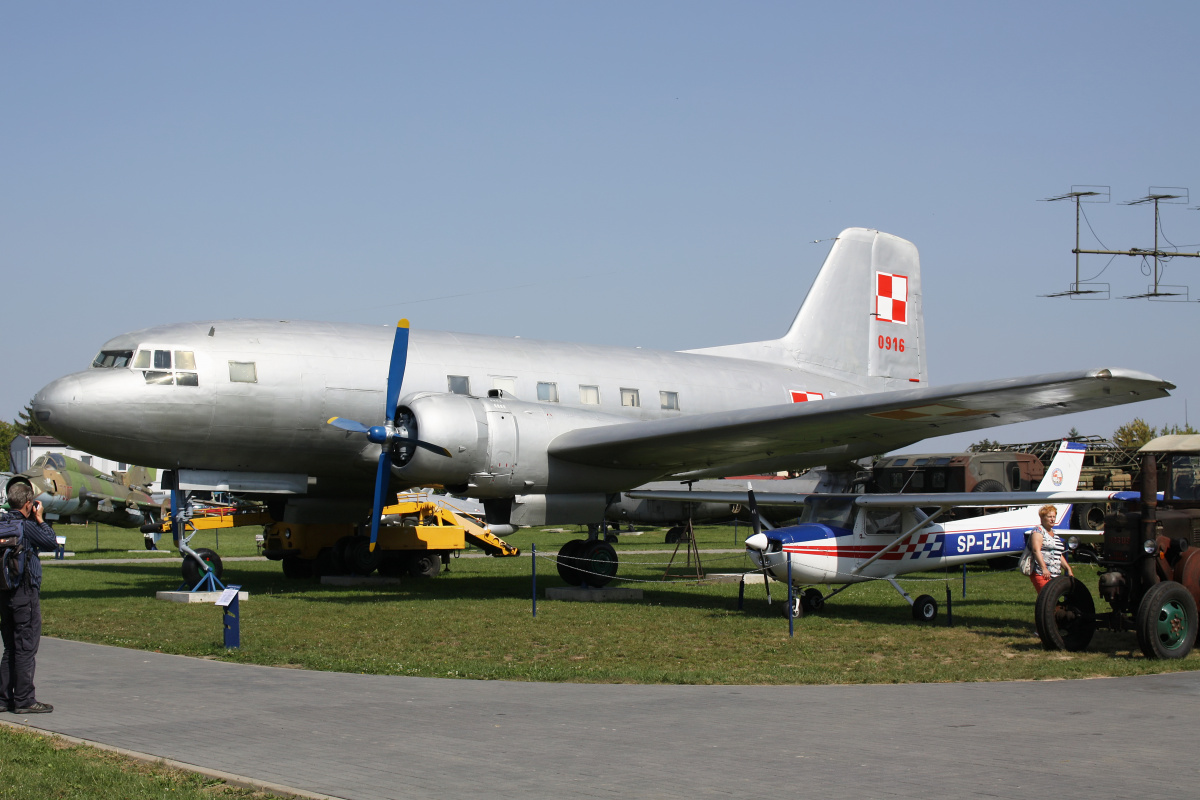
51, 406
757, 541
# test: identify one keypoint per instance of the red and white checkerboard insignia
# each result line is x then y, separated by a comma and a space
804, 397
891, 297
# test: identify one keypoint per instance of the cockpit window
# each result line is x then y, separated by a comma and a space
163, 366
56, 460
111, 359
836, 512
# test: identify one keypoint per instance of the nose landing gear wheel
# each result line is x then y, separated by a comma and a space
1166, 621
1065, 615
192, 572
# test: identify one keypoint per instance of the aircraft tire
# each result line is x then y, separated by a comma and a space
191, 570
1065, 615
568, 556
599, 563
924, 609
1166, 621
424, 565
358, 557
295, 568
674, 535
794, 609
812, 600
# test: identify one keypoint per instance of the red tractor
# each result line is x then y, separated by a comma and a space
1150, 565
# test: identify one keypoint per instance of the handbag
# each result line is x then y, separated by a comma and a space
1025, 563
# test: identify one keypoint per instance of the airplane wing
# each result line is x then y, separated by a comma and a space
888, 500
797, 435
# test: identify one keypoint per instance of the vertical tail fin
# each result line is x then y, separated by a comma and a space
1063, 476
861, 322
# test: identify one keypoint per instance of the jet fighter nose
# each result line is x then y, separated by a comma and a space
757, 541
51, 405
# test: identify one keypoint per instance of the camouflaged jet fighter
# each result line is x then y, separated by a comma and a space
307, 414
71, 490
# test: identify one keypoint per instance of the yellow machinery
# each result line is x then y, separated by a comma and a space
416, 537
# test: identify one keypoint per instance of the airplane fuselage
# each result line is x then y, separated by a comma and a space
254, 396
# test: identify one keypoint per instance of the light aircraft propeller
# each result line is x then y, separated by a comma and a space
758, 539
394, 433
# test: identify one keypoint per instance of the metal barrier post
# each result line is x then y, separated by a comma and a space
791, 616
949, 607
964, 581
534, 554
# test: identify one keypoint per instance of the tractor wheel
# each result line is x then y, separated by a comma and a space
1166, 621
359, 559
1065, 615
568, 562
297, 568
599, 564
192, 572
424, 565
924, 609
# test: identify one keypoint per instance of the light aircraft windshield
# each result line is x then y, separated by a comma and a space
836, 512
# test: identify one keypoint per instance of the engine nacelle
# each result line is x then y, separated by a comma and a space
499, 446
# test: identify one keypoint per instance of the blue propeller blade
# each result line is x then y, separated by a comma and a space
347, 424
396, 370
382, 474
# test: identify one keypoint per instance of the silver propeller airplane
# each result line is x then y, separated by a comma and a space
304, 413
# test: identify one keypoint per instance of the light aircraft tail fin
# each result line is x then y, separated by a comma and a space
1063, 476
861, 322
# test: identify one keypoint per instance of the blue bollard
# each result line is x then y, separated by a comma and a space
232, 622
534, 553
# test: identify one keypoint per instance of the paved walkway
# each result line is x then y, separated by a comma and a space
368, 736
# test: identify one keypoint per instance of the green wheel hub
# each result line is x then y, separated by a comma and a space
1173, 624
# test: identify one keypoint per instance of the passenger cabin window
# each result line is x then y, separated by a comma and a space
669, 400
629, 397
505, 384
459, 384
167, 367
880, 521
547, 392
243, 372
113, 359
589, 395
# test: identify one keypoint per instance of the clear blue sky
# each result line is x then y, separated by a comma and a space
632, 173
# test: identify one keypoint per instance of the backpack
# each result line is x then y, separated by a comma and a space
12, 551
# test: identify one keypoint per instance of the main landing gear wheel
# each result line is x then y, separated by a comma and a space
924, 609
569, 561
191, 570
1065, 615
599, 563
341, 547
675, 534
1166, 621
812, 600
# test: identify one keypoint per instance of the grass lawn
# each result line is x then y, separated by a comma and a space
33, 766
476, 622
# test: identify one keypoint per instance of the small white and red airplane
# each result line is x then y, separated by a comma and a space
851, 538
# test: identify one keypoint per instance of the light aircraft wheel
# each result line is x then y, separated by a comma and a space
191, 570
599, 560
1166, 621
1065, 615
358, 557
424, 565
812, 600
924, 609
568, 561
674, 535
297, 568
149, 541
794, 609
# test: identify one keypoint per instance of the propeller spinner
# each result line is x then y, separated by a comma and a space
395, 432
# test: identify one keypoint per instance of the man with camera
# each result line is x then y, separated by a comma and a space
21, 606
